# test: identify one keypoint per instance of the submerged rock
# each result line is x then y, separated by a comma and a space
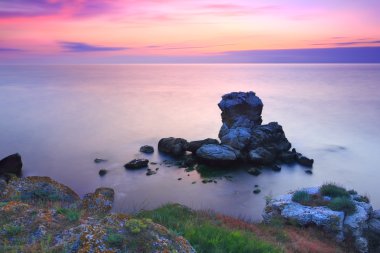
99, 160
261, 156
173, 146
11, 164
137, 164
217, 154
102, 172
147, 149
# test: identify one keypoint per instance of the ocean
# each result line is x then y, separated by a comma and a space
61, 117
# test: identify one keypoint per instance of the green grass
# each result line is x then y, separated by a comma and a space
342, 204
302, 197
12, 230
114, 239
204, 234
70, 213
332, 190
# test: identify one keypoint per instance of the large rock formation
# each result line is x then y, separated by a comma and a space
362, 225
242, 137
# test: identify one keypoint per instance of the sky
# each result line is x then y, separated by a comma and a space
171, 31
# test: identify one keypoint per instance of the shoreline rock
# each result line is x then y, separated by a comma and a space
137, 164
11, 164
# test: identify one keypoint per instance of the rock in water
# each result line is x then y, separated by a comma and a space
217, 154
194, 145
241, 109
11, 164
147, 149
137, 164
173, 146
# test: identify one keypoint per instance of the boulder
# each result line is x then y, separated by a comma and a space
147, 149
194, 145
242, 108
237, 138
137, 164
99, 202
173, 146
11, 164
304, 161
270, 136
217, 154
261, 156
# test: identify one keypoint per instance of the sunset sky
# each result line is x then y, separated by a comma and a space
122, 31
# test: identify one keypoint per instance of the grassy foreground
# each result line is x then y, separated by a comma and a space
214, 233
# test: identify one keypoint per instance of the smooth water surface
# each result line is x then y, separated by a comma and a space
59, 118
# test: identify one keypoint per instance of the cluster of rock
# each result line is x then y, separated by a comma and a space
40, 215
363, 225
242, 137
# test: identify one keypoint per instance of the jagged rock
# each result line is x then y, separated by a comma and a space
194, 145
11, 164
137, 164
304, 161
270, 136
237, 138
147, 149
173, 146
261, 156
242, 108
217, 154
99, 202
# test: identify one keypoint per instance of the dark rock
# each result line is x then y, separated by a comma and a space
173, 146
256, 191
137, 164
254, 171
11, 164
261, 156
188, 161
102, 172
242, 108
217, 154
99, 160
194, 182
288, 157
179, 179
309, 172
237, 138
271, 137
276, 168
304, 161
147, 149
194, 145
150, 172
256, 185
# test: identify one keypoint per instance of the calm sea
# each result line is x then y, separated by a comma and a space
59, 118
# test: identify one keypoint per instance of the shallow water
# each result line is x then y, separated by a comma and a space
59, 118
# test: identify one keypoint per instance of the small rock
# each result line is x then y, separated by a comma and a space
137, 164
153, 163
150, 172
194, 182
194, 145
205, 181
256, 185
157, 169
179, 179
99, 160
173, 146
276, 168
304, 161
254, 171
147, 149
309, 172
256, 191
102, 172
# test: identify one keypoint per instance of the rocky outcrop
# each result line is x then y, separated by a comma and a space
137, 164
11, 164
193, 146
361, 225
31, 223
99, 202
173, 146
216, 154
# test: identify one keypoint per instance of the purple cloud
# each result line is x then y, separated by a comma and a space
79, 47
348, 43
6, 49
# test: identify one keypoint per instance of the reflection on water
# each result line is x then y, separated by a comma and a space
59, 118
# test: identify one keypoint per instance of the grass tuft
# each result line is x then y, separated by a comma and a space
302, 197
333, 190
342, 204
70, 213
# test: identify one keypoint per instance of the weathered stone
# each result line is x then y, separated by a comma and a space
173, 146
11, 164
99, 202
217, 154
261, 156
194, 145
147, 149
137, 164
237, 138
270, 136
